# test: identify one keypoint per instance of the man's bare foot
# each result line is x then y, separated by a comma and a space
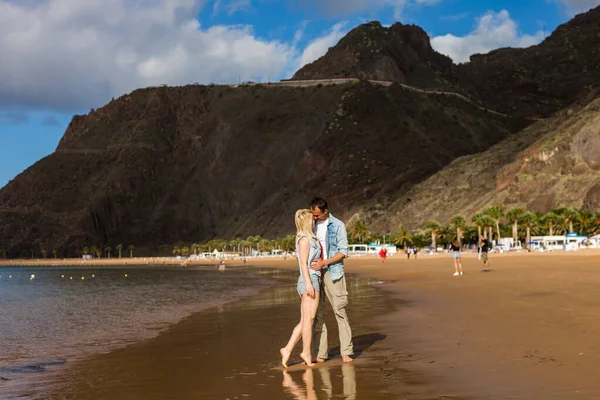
346, 358
307, 359
321, 360
285, 356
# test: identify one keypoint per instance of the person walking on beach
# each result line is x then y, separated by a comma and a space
332, 235
383, 254
484, 247
407, 253
455, 247
308, 249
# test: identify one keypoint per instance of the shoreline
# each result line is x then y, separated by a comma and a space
524, 330
207, 356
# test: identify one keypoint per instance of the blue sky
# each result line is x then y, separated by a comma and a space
63, 57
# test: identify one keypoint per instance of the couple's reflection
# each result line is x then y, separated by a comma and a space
308, 392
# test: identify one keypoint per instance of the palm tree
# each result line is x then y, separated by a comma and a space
131, 248
458, 223
528, 220
176, 250
547, 221
496, 212
55, 253
44, 252
289, 243
571, 215
95, 250
120, 249
195, 247
358, 231
567, 216
514, 215
435, 228
86, 251
585, 221
488, 225
403, 237
107, 249
185, 251
479, 220
595, 224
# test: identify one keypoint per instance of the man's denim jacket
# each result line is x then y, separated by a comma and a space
337, 242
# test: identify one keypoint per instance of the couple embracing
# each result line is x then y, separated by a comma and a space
321, 246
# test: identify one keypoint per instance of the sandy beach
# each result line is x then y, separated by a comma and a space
525, 330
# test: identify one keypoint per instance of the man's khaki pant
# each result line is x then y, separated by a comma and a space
338, 298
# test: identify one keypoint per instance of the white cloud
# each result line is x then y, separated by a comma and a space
319, 46
66, 54
493, 30
579, 6
232, 6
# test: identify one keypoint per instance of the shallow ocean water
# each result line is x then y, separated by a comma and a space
52, 316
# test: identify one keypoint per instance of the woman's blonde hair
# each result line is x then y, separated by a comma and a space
304, 223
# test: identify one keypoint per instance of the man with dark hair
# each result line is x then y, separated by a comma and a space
332, 235
484, 247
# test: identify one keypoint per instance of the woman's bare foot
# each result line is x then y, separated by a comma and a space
285, 356
346, 358
307, 359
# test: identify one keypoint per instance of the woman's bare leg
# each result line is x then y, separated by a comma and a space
460, 265
309, 310
286, 351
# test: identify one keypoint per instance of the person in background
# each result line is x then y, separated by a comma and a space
455, 247
383, 254
484, 247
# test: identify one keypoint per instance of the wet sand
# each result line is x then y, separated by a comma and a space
525, 330
232, 352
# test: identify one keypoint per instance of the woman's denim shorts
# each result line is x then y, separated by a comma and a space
456, 254
315, 279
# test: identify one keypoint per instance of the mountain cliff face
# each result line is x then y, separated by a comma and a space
541, 79
164, 165
532, 82
168, 165
553, 163
400, 53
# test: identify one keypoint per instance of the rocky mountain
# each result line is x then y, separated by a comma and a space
169, 165
553, 163
532, 82
400, 53
185, 164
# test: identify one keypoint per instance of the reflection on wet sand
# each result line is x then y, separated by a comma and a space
308, 392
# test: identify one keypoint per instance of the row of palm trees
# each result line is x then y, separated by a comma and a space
238, 245
493, 222
522, 223
98, 251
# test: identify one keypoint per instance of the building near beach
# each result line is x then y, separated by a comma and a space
371, 248
594, 242
569, 242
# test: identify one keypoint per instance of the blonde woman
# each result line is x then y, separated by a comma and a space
308, 250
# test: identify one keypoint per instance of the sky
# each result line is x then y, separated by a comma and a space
63, 57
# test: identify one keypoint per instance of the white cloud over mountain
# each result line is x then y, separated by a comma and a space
493, 31
65, 54
73, 54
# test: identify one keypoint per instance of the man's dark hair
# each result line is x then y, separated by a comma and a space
319, 203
